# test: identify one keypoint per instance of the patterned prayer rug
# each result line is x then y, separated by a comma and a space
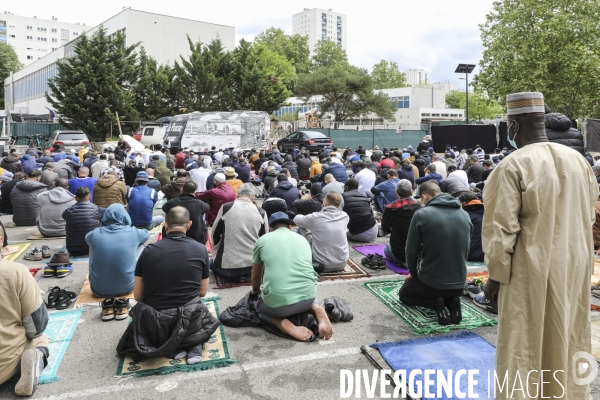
60, 329
422, 320
351, 271
214, 355
22, 249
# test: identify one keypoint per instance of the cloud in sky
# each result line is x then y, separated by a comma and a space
435, 35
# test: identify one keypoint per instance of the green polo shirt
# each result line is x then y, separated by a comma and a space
289, 276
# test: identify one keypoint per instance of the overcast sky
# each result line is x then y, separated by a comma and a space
435, 35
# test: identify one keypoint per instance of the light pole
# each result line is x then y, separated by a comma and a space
466, 69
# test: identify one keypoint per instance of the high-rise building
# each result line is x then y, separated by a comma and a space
319, 24
33, 38
416, 77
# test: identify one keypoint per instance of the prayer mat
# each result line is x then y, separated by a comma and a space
87, 298
596, 335
60, 329
214, 355
351, 271
39, 236
22, 249
365, 250
421, 320
460, 351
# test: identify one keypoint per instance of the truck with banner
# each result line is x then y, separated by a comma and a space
197, 131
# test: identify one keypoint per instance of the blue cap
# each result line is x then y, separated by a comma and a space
430, 149
142, 176
280, 216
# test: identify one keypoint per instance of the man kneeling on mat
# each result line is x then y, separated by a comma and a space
439, 234
282, 263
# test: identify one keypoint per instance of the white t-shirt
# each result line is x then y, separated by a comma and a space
366, 180
462, 175
199, 176
440, 168
219, 156
290, 180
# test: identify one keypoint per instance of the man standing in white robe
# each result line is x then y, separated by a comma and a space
538, 243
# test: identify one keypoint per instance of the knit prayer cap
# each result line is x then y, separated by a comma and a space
525, 104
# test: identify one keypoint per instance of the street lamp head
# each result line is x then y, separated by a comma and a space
465, 68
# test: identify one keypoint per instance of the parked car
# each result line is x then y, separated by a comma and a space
309, 140
70, 140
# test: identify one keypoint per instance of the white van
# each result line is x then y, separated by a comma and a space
150, 134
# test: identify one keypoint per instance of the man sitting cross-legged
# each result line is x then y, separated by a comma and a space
282, 263
23, 319
439, 233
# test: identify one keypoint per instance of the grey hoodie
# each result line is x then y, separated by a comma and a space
52, 205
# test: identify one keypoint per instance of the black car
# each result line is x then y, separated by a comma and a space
309, 140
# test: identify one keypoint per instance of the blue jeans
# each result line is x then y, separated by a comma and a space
390, 257
156, 220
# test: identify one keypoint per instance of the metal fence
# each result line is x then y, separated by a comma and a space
21, 130
390, 138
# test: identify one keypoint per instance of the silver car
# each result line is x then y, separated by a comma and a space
70, 140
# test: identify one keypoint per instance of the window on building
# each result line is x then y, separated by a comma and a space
29, 48
42, 39
42, 49
30, 57
40, 29
29, 27
54, 48
64, 34
29, 37
54, 30
54, 40
75, 33
12, 26
12, 36
435, 115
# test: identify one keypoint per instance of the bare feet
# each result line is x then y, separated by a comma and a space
9, 250
297, 332
325, 328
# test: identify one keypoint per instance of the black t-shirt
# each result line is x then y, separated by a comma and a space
171, 270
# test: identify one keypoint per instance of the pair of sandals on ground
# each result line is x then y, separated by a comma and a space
60, 298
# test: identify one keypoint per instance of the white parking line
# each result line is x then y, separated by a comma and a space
147, 383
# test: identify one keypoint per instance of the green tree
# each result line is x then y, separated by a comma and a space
550, 46
480, 105
293, 47
9, 62
94, 84
152, 88
345, 91
260, 78
328, 54
387, 75
204, 78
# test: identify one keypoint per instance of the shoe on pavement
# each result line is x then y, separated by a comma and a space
108, 309
482, 302
370, 261
32, 364
53, 294
49, 271
343, 309
381, 261
46, 253
472, 290
332, 311
65, 299
33, 255
64, 270
121, 309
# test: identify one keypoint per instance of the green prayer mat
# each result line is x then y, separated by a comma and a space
214, 355
422, 320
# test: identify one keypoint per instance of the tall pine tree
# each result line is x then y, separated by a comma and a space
94, 84
152, 90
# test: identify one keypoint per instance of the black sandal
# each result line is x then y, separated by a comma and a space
65, 299
52, 296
